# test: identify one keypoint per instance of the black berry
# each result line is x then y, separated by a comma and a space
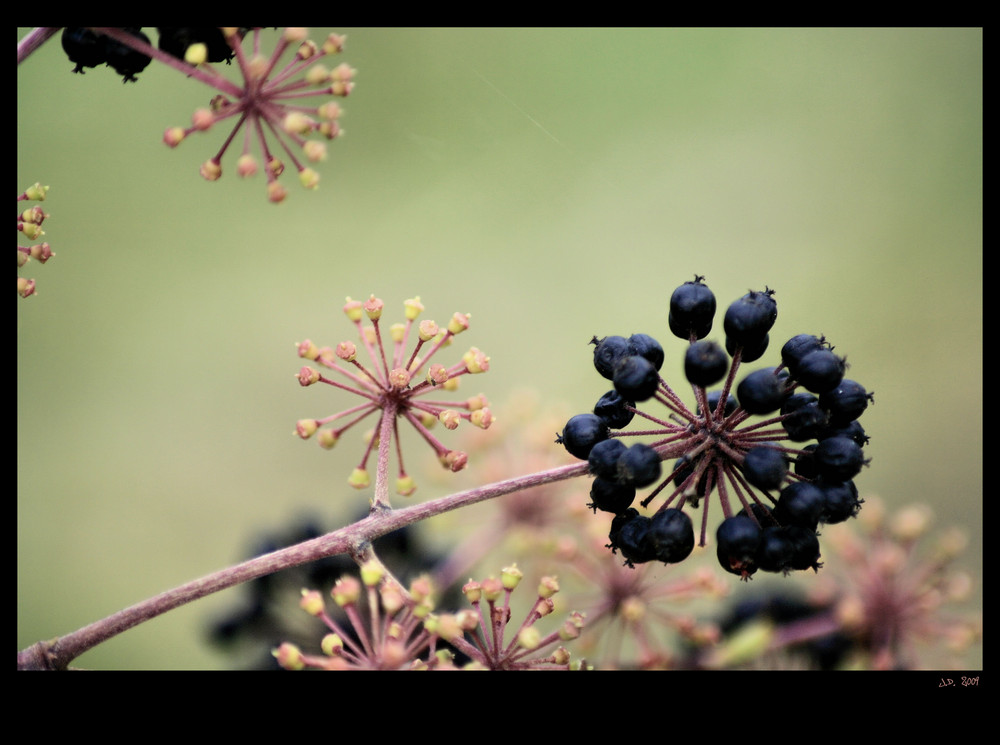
610, 496
608, 352
705, 363
672, 535
762, 391
846, 402
83, 47
636, 378
737, 540
838, 459
748, 319
603, 457
819, 371
125, 60
643, 345
639, 465
765, 467
581, 433
613, 409
692, 309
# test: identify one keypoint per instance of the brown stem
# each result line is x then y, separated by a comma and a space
58, 653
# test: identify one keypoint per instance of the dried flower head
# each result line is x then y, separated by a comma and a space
271, 103
385, 626
487, 637
395, 385
897, 589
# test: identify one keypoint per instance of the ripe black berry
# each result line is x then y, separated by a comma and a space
840, 501
636, 378
748, 319
803, 419
705, 363
765, 467
692, 309
632, 539
612, 407
737, 540
608, 352
581, 433
672, 535
838, 459
798, 347
603, 458
846, 402
125, 60
83, 47
819, 371
610, 496
639, 465
643, 345
752, 350
801, 503
762, 391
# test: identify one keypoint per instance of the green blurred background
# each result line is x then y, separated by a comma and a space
556, 183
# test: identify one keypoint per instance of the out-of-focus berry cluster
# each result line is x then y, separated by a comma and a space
774, 485
29, 225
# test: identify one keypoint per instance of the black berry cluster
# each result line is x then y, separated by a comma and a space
86, 48
777, 479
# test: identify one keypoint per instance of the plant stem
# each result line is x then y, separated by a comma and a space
354, 539
34, 39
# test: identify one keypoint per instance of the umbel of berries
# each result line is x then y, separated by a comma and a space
777, 447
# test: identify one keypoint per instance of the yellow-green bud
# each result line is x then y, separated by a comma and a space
196, 54
475, 361
312, 602
511, 576
372, 573
289, 656
346, 590
359, 478
307, 376
529, 638
373, 307
332, 645
473, 591
353, 309
173, 136
309, 178
306, 428
458, 323
413, 308
547, 587
449, 418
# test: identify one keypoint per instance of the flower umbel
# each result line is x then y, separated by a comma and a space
396, 385
384, 627
270, 104
486, 639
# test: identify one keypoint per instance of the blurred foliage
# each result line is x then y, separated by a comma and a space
555, 183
